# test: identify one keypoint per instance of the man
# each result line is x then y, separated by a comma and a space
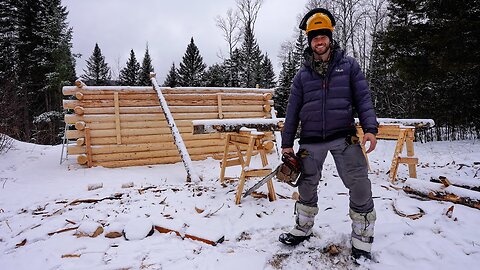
323, 96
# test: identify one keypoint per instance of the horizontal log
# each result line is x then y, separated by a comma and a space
207, 102
154, 154
73, 134
458, 183
71, 90
152, 139
72, 119
71, 104
105, 149
174, 109
441, 193
138, 124
121, 96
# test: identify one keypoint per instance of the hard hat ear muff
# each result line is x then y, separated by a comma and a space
317, 18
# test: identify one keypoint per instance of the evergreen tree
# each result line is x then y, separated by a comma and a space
8, 66
147, 67
299, 49
97, 72
285, 83
232, 68
250, 59
215, 76
36, 62
172, 77
129, 75
431, 55
268, 75
192, 67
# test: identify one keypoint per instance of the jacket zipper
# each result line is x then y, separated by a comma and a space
324, 105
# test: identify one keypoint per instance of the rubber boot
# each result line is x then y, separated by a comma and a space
362, 233
305, 217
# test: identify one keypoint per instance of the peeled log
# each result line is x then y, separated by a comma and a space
441, 193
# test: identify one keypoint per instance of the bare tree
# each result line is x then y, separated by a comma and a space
230, 27
248, 10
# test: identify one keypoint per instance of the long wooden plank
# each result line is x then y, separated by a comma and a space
122, 96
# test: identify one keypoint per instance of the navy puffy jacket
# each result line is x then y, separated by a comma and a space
325, 105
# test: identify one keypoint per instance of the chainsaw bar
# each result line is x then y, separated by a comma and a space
261, 182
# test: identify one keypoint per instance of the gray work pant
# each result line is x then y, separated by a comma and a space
351, 166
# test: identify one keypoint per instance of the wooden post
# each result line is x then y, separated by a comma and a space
241, 181
412, 168
117, 118
224, 160
398, 150
187, 162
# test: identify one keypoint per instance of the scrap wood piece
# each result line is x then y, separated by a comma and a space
22, 243
161, 229
71, 255
401, 213
117, 196
63, 230
439, 192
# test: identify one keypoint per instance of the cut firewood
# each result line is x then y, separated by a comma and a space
441, 193
189, 236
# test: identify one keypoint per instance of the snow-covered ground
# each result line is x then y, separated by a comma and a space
36, 195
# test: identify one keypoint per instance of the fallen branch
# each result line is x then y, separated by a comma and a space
441, 193
63, 230
189, 236
117, 196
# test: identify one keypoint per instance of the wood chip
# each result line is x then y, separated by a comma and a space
21, 244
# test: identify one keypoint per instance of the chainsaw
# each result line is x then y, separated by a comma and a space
288, 171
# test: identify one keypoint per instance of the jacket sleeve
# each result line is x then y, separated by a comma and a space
362, 99
292, 119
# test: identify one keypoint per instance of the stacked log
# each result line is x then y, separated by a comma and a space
116, 126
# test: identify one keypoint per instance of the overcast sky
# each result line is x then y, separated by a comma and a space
167, 26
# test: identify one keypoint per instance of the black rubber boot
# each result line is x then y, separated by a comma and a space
358, 254
292, 240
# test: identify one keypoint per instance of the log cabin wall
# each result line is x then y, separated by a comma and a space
117, 126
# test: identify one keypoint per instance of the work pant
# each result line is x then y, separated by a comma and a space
351, 166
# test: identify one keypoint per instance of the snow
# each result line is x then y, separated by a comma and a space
36, 192
404, 122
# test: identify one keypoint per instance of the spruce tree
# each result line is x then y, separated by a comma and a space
215, 76
172, 77
250, 60
282, 92
129, 75
192, 67
268, 75
97, 72
299, 49
232, 68
147, 67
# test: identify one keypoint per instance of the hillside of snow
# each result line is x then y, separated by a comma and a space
39, 198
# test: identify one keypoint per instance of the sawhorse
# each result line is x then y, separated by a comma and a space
252, 141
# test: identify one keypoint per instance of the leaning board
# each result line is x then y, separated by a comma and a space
116, 126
